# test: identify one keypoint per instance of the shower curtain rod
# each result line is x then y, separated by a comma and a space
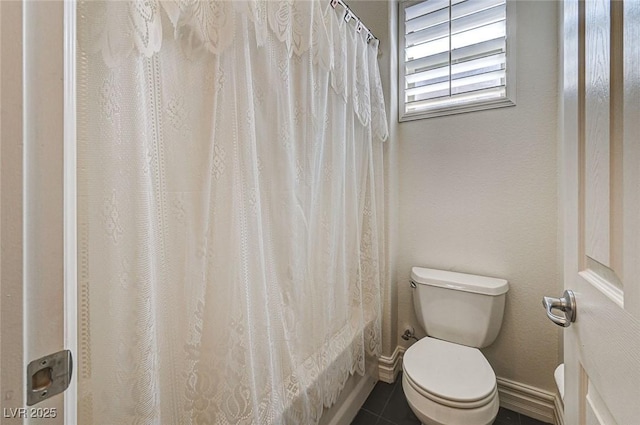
349, 15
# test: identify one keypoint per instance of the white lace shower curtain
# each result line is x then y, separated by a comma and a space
230, 210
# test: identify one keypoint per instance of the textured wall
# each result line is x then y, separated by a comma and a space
478, 194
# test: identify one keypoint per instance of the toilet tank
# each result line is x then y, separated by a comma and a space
457, 307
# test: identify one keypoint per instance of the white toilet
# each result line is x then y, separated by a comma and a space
446, 379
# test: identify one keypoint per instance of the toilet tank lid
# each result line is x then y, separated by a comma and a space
459, 281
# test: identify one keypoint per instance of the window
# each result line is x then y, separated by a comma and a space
455, 56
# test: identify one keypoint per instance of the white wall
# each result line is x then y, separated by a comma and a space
478, 194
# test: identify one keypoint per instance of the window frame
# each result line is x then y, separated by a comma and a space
479, 105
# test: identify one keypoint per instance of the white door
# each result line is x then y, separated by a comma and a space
33, 208
601, 167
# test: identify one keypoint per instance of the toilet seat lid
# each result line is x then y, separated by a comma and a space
449, 371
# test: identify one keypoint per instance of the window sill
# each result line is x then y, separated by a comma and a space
458, 109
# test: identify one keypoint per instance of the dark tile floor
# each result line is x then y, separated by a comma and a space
387, 405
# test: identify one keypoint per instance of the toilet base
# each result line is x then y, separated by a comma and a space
432, 413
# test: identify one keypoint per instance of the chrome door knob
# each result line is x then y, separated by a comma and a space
566, 304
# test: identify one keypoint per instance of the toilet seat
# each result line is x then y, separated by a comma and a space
430, 412
449, 403
450, 374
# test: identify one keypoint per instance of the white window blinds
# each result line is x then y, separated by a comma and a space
455, 55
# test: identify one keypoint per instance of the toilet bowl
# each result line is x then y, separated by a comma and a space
446, 379
449, 384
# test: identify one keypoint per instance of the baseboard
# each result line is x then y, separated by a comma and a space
389, 367
530, 401
558, 410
